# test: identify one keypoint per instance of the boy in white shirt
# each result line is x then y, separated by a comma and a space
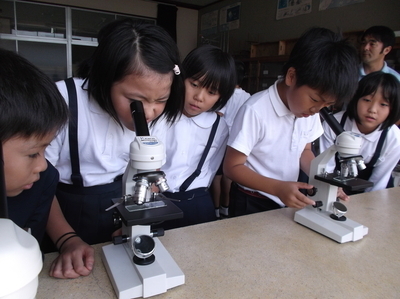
270, 140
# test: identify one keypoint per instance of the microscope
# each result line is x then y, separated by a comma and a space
327, 215
137, 263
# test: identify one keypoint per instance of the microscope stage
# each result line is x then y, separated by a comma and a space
159, 213
352, 184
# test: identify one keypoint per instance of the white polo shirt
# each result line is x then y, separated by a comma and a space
185, 141
103, 145
271, 137
233, 105
388, 159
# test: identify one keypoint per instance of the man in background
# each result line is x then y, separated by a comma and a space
376, 43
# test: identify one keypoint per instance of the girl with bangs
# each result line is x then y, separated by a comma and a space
195, 144
372, 113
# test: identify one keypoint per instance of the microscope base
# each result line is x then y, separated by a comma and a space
321, 222
133, 281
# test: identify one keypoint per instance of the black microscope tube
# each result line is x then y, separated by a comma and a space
139, 118
331, 121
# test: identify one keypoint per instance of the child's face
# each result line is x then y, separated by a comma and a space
372, 50
152, 89
372, 110
198, 99
23, 161
303, 101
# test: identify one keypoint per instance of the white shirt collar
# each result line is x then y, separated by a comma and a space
203, 120
371, 137
277, 103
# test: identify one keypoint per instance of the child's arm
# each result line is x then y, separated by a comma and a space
76, 257
305, 159
288, 192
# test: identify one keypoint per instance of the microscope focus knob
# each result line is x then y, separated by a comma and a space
120, 239
312, 192
318, 204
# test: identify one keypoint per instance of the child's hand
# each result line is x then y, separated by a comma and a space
116, 233
341, 195
290, 195
76, 259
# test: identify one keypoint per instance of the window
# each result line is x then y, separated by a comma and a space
54, 38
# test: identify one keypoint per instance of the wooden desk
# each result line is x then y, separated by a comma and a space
268, 255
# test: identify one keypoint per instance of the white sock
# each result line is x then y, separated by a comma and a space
217, 212
224, 210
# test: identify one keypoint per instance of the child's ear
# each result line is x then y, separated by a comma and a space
290, 77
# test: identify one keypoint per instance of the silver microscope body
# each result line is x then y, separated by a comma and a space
327, 215
137, 263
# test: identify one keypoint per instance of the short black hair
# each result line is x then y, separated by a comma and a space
214, 68
131, 47
369, 85
383, 34
324, 61
30, 103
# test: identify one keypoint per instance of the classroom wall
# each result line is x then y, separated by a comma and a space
186, 18
258, 20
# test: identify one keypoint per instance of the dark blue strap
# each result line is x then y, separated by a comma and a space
76, 176
197, 172
378, 149
343, 120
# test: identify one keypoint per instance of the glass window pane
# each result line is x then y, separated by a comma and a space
6, 17
40, 20
80, 54
50, 58
86, 24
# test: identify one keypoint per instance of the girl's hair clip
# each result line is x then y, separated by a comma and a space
176, 70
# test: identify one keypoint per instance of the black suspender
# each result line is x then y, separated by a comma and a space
343, 120
76, 176
197, 172
378, 149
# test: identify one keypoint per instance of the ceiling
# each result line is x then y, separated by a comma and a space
193, 4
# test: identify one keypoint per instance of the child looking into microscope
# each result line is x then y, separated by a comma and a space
270, 140
133, 61
372, 113
195, 144
32, 111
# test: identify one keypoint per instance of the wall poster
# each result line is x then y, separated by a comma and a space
229, 17
326, 4
292, 8
209, 23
